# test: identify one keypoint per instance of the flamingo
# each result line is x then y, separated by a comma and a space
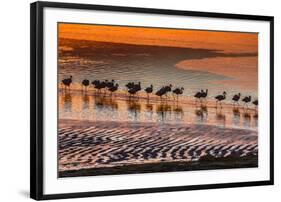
130, 85
178, 91
132, 91
95, 83
161, 92
168, 89
85, 84
110, 84
100, 85
113, 88
256, 103
149, 90
246, 100
204, 94
67, 82
198, 95
236, 98
219, 98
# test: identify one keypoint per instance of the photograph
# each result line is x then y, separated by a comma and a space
135, 100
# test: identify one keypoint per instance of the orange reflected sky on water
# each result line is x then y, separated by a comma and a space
233, 42
99, 108
242, 69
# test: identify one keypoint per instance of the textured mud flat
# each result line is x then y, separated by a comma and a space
102, 148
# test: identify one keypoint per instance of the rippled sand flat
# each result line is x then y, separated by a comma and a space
90, 145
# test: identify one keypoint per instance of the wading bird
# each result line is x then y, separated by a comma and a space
137, 87
256, 103
85, 84
130, 85
198, 95
101, 85
110, 84
149, 90
168, 89
113, 89
246, 100
95, 83
219, 98
161, 92
236, 98
178, 91
67, 82
204, 94
132, 91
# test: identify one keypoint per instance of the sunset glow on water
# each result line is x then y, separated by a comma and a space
131, 131
193, 59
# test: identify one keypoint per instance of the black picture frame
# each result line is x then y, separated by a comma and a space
37, 101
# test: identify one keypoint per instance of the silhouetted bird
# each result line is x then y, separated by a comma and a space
256, 102
178, 91
110, 84
85, 84
149, 90
130, 85
137, 87
113, 88
204, 94
246, 100
132, 91
106, 83
198, 95
101, 85
219, 98
95, 83
161, 92
236, 98
66, 82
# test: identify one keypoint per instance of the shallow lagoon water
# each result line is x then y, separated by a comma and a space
82, 106
146, 64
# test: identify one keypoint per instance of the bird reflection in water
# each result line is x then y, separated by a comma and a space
86, 101
247, 118
201, 113
149, 109
67, 102
105, 102
256, 120
134, 107
236, 116
179, 114
162, 110
220, 116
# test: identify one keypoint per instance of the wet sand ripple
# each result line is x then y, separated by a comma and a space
90, 145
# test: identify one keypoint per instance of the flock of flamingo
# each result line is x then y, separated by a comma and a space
133, 89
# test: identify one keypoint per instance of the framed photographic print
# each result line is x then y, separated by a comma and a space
134, 100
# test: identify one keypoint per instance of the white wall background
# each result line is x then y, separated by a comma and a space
14, 100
